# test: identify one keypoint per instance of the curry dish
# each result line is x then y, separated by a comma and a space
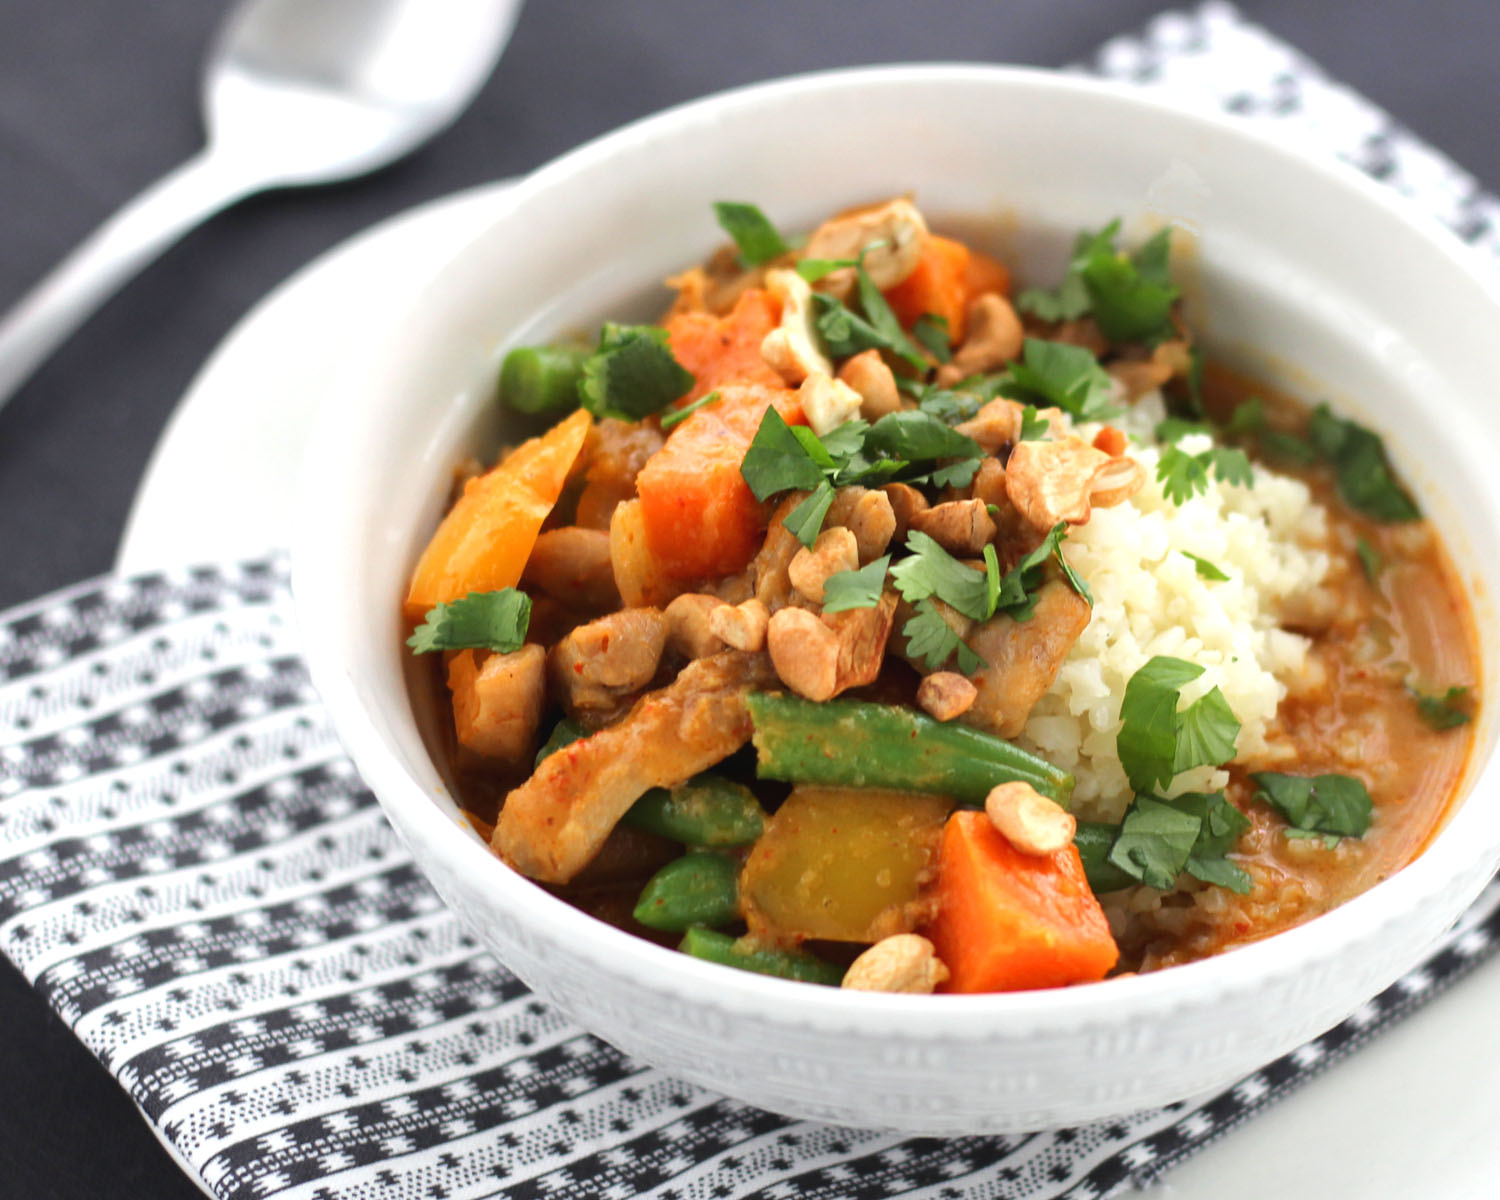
872, 622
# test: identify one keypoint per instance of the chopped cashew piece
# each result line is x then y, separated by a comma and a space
868, 375
742, 626
903, 962
961, 527
688, 633
1052, 481
827, 402
497, 704
792, 349
1029, 821
896, 226
805, 653
995, 426
868, 516
946, 695
995, 336
835, 550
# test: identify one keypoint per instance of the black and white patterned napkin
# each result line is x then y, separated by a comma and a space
196, 880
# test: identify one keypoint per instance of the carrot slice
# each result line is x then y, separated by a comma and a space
720, 350
700, 517
1009, 921
484, 541
937, 286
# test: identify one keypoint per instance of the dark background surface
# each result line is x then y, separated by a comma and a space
99, 97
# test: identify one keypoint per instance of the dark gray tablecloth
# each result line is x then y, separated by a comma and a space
98, 97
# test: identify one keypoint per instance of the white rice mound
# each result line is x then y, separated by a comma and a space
1149, 600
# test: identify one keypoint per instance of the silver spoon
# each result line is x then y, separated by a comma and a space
294, 92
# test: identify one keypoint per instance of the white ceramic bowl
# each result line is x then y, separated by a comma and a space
1318, 278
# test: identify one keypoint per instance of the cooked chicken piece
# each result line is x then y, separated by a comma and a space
688, 633
906, 502
961, 527
868, 375
994, 338
572, 564
599, 664
1024, 658
615, 453
497, 704
769, 567
555, 822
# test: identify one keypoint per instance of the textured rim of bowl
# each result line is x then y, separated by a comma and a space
1470, 836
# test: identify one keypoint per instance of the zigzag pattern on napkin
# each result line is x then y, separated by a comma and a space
196, 880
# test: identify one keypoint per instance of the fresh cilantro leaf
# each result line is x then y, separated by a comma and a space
1067, 302
880, 315
1287, 447
930, 570
1147, 741
1060, 375
1370, 559
1220, 829
932, 331
1363, 473
632, 373
1445, 710
1094, 840
931, 639
1329, 840
814, 447
1231, 465
1206, 569
916, 436
856, 589
1034, 426
1181, 475
843, 440
1206, 730
777, 460
952, 407
752, 231
1249, 416
481, 620
1075, 580
1174, 429
1130, 295
1155, 842
958, 474
806, 520
1336, 804
678, 415
814, 269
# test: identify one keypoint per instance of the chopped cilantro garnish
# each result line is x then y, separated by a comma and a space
1130, 295
1017, 595
1443, 710
1156, 742
752, 231
1206, 569
1154, 842
1067, 302
679, 415
632, 373
1159, 839
1034, 426
1183, 475
845, 332
814, 269
1194, 403
481, 620
1249, 416
806, 520
932, 331
1174, 429
1370, 559
930, 570
1287, 447
1333, 804
1060, 375
931, 639
1364, 475
856, 589
777, 461
952, 407
917, 436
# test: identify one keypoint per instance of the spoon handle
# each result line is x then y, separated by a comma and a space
68, 295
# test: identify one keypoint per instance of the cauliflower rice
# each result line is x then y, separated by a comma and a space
1149, 599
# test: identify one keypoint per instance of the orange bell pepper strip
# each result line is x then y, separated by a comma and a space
483, 543
1008, 921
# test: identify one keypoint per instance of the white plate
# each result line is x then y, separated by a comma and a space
1409, 1115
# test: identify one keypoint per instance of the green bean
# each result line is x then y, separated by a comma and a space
846, 743
1094, 840
705, 811
564, 733
740, 952
697, 889
536, 379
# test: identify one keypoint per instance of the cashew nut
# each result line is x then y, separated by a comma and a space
995, 336
961, 527
906, 502
1028, 820
835, 550
896, 226
792, 349
1052, 481
868, 516
868, 375
742, 626
946, 695
827, 402
903, 962
688, 633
